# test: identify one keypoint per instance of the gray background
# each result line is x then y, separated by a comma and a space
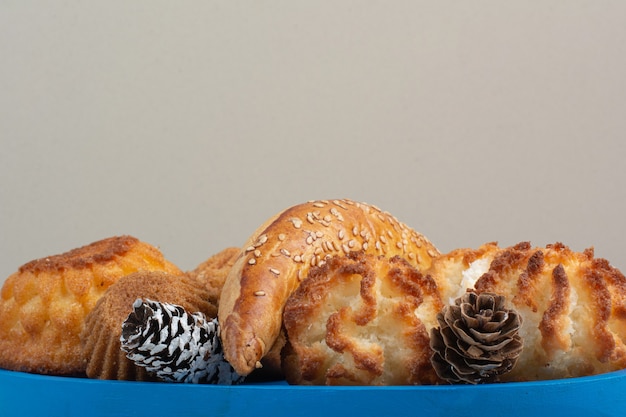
187, 124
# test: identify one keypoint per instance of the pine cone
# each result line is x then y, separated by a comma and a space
175, 345
477, 340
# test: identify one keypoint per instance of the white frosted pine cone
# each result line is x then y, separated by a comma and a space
175, 345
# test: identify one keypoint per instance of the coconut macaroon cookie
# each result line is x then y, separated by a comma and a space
361, 320
572, 305
43, 305
279, 255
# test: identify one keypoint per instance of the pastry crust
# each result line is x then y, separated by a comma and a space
43, 305
278, 256
361, 320
573, 306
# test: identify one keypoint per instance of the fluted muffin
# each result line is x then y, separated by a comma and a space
100, 338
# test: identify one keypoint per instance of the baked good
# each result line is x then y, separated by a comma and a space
43, 305
214, 270
279, 255
361, 319
100, 338
572, 305
457, 271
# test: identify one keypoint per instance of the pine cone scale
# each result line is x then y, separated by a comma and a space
477, 339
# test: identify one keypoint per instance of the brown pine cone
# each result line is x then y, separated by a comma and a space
477, 339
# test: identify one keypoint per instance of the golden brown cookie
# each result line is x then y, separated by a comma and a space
361, 319
573, 305
43, 305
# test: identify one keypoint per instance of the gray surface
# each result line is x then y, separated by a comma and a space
188, 124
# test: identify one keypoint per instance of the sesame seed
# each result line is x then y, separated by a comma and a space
281, 237
309, 218
297, 258
432, 253
274, 271
319, 204
285, 252
250, 248
318, 251
327, 218
339, 204
299, 275
411, 255
345, 248
389, 234
355, 231
336, 213
297, 223
325, 223
313, 260
341, 234
383, 239
251, 261
259, 293
365, 246
309, 240
378, 245
399, 245
351, 243
261, 240
319, 234
257, 253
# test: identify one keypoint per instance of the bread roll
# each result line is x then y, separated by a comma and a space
279, 255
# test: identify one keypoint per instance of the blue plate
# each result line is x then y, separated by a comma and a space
23, 394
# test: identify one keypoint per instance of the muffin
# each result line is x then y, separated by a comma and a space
100, 338
43, 305
213, 271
